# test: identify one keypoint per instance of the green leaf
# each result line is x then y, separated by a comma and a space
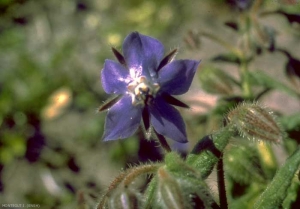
215, 81
150, 193
229, 57
290, 122
293, 193
246, 201
262, 79
243, 165
276, 192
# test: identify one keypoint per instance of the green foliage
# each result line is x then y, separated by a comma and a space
207, 152
215, 81
243, 165
51, 151
259, 78
13, 146
276, 191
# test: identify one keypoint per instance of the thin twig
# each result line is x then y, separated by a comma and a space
221, 184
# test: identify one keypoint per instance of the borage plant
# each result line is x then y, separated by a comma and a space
143, 82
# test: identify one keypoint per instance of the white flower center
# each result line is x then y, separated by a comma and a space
142, 91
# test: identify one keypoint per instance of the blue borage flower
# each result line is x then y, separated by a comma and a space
144, 81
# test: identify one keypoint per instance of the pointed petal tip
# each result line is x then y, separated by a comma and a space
196, 62
108, 137
182, 141
181, 138
105, 138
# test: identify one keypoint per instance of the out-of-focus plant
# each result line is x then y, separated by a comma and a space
50, 153
50, 53
248, 173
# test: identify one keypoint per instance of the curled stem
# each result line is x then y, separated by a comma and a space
137, 171
114, 184
127, 177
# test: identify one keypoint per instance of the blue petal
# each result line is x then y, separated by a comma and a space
122, 119
176, 77
114, 77
167, 121
142, 54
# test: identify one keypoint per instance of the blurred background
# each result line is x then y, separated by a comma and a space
51, 55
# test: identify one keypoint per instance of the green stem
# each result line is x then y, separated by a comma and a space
245, 79
114, 184
138, 171
207, 151
275, 193
221, 184
127, 177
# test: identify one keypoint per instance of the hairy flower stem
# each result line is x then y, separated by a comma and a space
221, 184
163, 142
207, 151
114, 184
137, 171
126, 178
275, 193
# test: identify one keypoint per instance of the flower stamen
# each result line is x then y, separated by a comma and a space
142, 91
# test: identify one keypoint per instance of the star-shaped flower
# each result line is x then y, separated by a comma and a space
144, 81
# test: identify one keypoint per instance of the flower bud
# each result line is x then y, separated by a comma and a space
255, 122
169, 191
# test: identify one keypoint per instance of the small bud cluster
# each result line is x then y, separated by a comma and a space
174, 185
